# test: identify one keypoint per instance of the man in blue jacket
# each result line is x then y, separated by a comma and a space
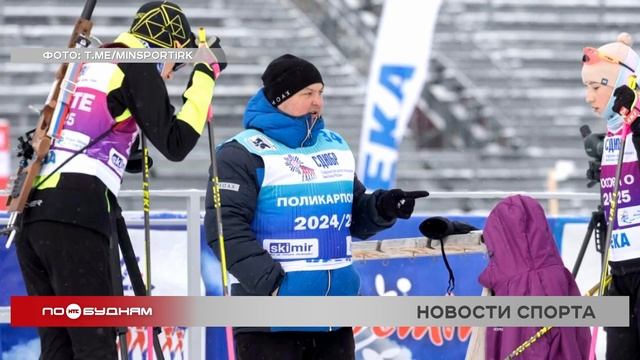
290, 203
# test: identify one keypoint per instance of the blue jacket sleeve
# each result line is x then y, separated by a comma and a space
247, 261
366, 221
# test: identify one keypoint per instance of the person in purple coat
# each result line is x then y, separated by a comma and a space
524, 261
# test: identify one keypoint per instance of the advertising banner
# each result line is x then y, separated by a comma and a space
396, 78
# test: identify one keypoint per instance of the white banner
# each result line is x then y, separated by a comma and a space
397, 75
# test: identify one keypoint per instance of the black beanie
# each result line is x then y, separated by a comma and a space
287, 75
160, 23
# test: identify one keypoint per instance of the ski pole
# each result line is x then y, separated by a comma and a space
520, 349
613, 210
154, 341
116, 283
146, 205
202, 38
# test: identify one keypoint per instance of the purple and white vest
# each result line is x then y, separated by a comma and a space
625, 239
88, 118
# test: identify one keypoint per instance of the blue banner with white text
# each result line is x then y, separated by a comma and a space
409, 276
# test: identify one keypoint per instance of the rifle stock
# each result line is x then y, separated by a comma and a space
41, 141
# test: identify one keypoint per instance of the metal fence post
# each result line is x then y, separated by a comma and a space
193, 271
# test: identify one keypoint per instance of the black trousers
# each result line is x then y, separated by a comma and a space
290, 345
624, 342
62, 259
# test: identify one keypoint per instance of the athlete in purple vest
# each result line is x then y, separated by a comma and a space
605, 73
63, 245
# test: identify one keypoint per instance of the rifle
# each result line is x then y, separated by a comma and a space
52, 116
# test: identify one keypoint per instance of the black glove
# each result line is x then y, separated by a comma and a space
136, 160
625, 97
220, 54
438, 227
213, 55
396, 203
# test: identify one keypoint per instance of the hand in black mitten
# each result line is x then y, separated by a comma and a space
438, 227
397, 203
625, 101
136, 160
213, 55
219, 52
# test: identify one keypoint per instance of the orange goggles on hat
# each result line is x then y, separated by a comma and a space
592, 56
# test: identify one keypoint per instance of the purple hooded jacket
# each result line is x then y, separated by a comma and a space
524, 261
